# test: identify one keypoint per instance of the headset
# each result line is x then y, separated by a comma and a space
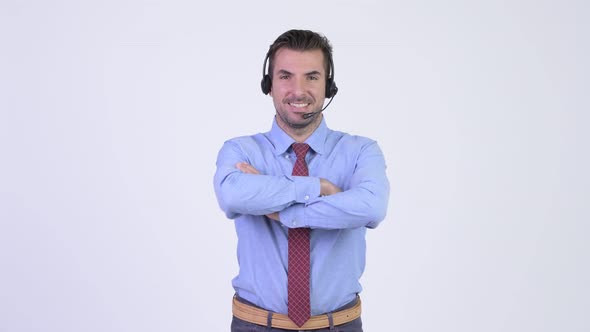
331, 88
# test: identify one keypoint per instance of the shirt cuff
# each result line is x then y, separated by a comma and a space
306, 188
293, 216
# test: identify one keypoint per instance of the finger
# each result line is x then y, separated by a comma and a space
246, 168
243, 167
251, 170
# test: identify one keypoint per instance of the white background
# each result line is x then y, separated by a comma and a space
112, 113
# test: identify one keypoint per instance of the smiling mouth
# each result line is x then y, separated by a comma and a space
299, 105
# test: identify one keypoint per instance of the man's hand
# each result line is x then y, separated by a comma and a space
328, 188
247, 168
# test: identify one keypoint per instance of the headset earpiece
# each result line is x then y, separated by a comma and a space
331, 88
265, 84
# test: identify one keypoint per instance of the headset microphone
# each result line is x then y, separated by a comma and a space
309, 115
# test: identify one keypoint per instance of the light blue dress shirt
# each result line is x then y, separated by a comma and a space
338, 222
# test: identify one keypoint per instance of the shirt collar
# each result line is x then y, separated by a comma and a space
282, 141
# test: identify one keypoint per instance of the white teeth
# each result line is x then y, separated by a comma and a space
298, 105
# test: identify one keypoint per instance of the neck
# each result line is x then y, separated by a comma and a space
300, 134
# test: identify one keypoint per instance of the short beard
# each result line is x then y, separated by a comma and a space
294, 125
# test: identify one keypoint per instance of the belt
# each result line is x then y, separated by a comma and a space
263, 317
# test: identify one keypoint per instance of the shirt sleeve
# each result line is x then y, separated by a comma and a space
363, 204
239, 193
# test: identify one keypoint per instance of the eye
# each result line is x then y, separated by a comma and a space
313, 78
283, 77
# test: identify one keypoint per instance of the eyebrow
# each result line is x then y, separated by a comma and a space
286, 72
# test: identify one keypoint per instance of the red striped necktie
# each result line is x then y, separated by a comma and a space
298, 279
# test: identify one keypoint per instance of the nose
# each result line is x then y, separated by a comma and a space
298, 86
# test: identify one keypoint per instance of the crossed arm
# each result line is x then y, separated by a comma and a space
326, 187
302, 201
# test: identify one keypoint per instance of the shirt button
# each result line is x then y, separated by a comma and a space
306, 197
286, 156
294, 222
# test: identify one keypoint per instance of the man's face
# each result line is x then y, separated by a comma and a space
298, 86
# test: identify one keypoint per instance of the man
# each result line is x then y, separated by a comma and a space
302, 196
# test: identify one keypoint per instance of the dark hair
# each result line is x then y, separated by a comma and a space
301, 40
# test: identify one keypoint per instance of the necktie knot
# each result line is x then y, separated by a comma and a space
300, 149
